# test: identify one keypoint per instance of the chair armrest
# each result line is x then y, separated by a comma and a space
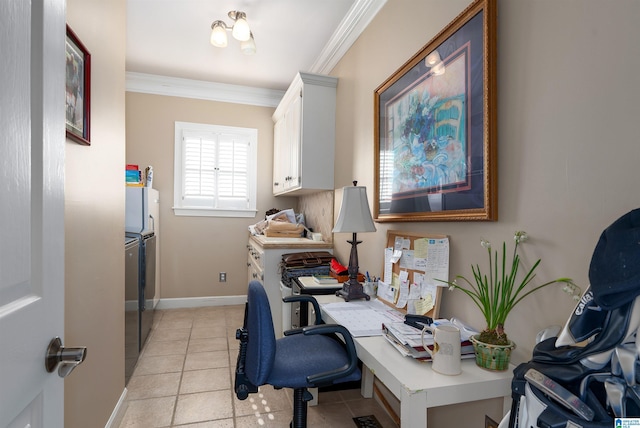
309, 299
352, 356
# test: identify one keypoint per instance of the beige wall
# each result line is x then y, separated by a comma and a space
94, 222
567, 137
195, 249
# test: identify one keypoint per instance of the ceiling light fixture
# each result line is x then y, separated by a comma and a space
239, 30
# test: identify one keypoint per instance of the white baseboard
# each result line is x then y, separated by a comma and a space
194, 302
118, 411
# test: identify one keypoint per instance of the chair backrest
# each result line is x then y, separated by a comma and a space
261, 347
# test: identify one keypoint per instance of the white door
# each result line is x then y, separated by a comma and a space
31, 209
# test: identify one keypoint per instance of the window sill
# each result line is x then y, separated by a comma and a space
208, 212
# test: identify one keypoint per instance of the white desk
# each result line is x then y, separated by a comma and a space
417, 386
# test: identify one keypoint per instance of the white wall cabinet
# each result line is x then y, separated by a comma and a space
304, 136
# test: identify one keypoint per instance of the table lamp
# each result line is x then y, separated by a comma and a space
354, 217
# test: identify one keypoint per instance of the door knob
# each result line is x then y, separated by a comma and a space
66, 359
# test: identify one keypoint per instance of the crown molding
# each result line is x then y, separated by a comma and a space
353, 24
187, 88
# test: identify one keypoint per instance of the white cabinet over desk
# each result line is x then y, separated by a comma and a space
304, 136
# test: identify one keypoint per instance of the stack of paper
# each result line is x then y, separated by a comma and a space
408, 340
362, 318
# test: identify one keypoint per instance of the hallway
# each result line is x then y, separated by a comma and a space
184, 378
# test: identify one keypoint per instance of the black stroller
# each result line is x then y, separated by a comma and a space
597, 384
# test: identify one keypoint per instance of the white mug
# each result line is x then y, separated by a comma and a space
446, 349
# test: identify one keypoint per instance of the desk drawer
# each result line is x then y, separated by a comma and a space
256, 256
254, 271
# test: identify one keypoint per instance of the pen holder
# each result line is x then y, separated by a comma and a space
371, 288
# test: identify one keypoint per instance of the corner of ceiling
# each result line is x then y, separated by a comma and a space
353, 24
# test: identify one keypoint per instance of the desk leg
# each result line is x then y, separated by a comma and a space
366, 385
413, 409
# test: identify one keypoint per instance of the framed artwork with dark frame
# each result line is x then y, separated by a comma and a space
435, 127
78, 90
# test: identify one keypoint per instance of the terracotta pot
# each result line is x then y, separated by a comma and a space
492, 357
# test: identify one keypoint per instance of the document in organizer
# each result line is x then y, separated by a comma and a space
362, 318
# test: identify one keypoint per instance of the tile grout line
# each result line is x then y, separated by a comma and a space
184, 362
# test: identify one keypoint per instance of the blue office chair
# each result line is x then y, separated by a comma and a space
309, 357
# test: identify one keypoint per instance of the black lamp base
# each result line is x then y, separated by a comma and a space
352, 289
352, 292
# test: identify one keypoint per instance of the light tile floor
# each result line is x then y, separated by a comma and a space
185, 374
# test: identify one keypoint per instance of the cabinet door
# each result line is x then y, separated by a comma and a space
286, 150
294, 131
280, 149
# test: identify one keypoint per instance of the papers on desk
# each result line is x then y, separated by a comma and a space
362, 318
408, 341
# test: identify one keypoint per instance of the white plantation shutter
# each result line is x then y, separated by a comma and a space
199, 165
232, 168
215, 170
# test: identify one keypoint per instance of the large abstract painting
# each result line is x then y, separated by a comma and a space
435, 127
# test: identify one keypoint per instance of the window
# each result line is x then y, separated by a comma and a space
215, 170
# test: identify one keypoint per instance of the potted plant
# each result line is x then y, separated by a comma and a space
496, 294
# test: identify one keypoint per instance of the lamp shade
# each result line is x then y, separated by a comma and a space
241, 29
248, 47
219, 34
354, 216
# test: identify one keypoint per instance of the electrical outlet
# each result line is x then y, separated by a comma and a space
223, 277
